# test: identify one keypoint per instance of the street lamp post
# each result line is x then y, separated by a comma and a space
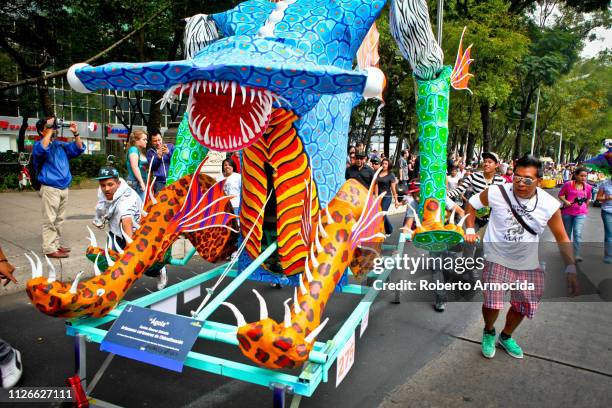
535, 121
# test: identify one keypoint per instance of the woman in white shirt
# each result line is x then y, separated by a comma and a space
233, 183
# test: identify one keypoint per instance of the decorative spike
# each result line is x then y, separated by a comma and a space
307, 271
109, 261
287, 321
318, 243
296, 305
320, 226
75, 284
462, 220
263, 308
239, 317
34, 274
243, 92
97, 271
313, 334
315, 263
127, 238
451, 220
330, 220
92, 238
303, 287
39, 268
52, 274
117, 245
416, 216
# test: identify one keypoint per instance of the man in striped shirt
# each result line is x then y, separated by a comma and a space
479, 181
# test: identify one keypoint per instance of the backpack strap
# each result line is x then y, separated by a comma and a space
520, 219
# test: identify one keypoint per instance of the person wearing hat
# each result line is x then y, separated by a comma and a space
375, 162
119, 206
360, 171
51, 161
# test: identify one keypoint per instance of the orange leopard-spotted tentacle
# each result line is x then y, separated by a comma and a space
287, 344
100, 294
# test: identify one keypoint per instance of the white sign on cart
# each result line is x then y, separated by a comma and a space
345, 361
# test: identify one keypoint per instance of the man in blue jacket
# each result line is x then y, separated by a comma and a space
51, 162
158, 157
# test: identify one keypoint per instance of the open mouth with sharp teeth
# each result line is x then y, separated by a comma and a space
224, 115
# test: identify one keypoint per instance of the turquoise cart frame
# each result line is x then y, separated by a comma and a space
304, 384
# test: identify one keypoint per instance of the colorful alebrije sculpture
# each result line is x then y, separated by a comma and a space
276, 81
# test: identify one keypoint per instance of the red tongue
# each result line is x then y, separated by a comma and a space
226, 130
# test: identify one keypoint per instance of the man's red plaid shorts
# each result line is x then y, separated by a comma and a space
523, 301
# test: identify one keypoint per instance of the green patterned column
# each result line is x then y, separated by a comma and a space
432, 112
188, 153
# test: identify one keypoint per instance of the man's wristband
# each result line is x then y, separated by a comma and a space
77, 134
470, 231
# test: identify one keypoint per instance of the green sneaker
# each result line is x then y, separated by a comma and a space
511, 347
488, 345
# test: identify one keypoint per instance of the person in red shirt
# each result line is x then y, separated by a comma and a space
236, 159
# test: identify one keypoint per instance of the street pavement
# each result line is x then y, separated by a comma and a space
409, 355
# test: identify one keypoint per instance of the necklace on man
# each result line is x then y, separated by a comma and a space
524, 207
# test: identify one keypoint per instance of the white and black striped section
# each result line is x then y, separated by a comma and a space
478, 182
410, 26
200, 31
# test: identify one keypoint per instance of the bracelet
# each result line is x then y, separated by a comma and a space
3, 260
470, 231
77, 134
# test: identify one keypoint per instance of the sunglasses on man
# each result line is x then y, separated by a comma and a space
525, 180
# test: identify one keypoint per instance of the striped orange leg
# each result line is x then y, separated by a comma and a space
287, 344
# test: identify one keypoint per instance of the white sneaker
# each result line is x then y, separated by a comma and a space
579, 258
11, 371
162, 279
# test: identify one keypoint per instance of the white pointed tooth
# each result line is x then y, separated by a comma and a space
315, 263
217, 88
127, 238
296, 304
261, 116
255, 123
97, 271
204, 83
75, 284
198, 84
263, 307
33, 266
452, 216
100, 292
92, 238
252, 95
210, 86
307, 271
233, 94
39, 268
313, 334
206, 138
225, 144
244, 94
245, 138
181, 92
117, 245
303, 287
52, 274
462, 220
225, 84
235, 142
239, 317
248, 130
259, 96
287, 320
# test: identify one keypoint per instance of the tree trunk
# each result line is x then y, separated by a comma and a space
522, 122
469, 151
387, 131
368, 133
22, 131
485, 118
45, 100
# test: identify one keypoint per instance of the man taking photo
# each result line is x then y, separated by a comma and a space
51, 163
519, 213
159, 156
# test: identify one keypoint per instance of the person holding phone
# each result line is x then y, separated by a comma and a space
575, 196
159, 156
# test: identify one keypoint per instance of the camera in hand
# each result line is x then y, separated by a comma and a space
60, 123
580, 200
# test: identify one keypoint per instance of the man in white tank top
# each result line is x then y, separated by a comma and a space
511, 250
